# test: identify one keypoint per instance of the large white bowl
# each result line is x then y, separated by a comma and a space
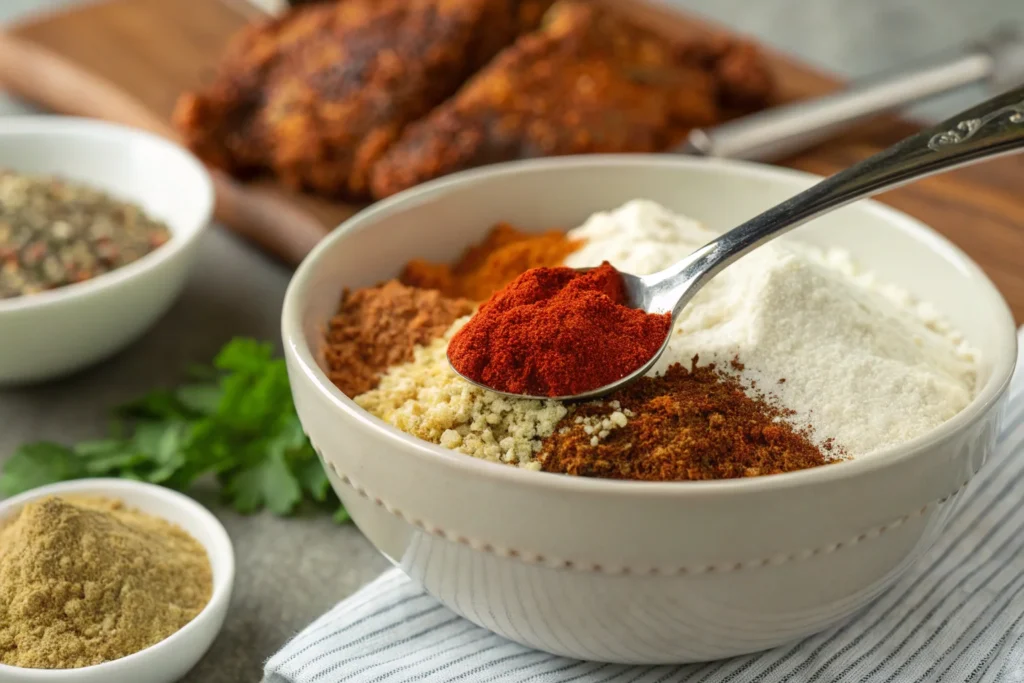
641, 572
170, 659
53, 333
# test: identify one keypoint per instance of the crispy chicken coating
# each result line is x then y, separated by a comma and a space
317, 95
587, 82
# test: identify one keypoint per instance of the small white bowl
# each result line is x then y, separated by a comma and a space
626, 571
170, 659
56, 332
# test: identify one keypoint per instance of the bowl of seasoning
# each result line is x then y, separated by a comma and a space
109, 581
820, 408
99, 225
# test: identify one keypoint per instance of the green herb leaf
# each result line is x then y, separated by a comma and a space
313, 478
201, 373
101, 447
235, 421
37, 464
269, 483
158, 404
341, 516
244, 355
107, 457
202, 399
114, 464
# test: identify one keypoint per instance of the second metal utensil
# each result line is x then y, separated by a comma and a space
787, 129
991, 129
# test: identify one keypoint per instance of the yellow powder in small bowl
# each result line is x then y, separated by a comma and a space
85, 580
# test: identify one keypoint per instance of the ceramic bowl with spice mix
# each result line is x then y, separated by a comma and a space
99, 226
802, 442
138, 595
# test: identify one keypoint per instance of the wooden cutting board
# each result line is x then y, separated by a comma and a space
127, 61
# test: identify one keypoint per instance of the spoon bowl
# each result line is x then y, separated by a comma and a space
991, 129
638, 293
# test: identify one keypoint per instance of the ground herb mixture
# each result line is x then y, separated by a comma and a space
55, 233
378, 327
685, 424
85, 580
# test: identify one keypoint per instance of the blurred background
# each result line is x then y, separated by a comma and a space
848, 38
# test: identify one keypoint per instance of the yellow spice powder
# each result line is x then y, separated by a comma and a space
86, 580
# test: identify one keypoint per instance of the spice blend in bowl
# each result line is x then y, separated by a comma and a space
659, 572
55, 232
781, 336
685, 424
86, 580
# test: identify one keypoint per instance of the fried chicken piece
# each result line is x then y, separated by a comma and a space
588, 82
317, 95
740, 70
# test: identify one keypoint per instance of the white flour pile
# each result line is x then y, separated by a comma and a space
863, 363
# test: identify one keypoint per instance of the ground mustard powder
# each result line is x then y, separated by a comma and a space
87, 580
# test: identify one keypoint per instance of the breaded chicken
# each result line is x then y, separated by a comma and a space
589, 81
316, 96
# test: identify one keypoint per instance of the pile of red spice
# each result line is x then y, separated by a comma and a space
557, 332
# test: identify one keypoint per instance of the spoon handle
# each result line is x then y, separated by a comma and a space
991, 129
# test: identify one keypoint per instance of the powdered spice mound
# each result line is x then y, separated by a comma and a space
378, 327
556, 332
86, 580
683, 425
483, 269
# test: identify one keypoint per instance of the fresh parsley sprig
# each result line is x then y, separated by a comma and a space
235, 421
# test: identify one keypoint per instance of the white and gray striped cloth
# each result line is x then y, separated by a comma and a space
956, 616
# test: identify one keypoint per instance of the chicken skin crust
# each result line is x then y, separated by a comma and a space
589, 81
316, 96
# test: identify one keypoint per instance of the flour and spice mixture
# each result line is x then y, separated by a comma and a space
790, 358
85, 580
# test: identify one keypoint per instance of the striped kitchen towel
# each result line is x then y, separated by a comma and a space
957, 615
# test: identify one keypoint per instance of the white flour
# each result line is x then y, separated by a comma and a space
863, 363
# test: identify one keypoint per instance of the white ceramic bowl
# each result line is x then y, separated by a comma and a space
170, 659
53, 333
641, 572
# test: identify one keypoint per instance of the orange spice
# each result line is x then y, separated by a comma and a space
484, 268
378, 327
683, 425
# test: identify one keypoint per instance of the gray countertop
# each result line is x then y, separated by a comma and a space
290, 571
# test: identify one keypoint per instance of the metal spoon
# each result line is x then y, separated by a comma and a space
780, 131
991, 129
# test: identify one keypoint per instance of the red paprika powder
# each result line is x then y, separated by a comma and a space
557, 332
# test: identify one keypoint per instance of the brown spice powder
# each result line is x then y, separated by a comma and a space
378, 327
683, 425
505, 254
86, 580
